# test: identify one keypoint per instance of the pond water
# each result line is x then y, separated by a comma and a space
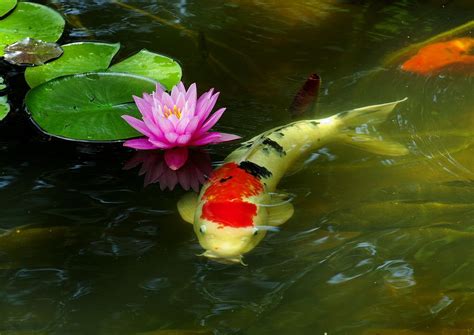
377, 245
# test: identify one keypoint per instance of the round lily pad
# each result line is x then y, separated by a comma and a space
149, 64
89, 106
4, 107
77, 58
30, 20
6, 6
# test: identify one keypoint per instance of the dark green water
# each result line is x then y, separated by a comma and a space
376, 246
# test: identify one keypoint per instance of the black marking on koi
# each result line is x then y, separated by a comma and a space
223, 180
280, 134
255, 169
314, 123
275, 146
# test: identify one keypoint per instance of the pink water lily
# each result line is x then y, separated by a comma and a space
174, 122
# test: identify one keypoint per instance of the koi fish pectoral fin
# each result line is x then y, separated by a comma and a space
278, 215
187, 206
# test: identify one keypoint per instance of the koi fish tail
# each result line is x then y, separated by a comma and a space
356, 124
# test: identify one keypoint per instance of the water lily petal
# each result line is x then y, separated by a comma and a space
212, 120
138, 125
176, 157
206, 139
183, 139
171, 137
204, 113
140, 144
192, 126
203, 99
225, 137
182, 124
161, 144
191, 96
144, 106
165, 125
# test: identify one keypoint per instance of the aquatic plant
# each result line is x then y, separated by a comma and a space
30, 20
176, 121
4, 105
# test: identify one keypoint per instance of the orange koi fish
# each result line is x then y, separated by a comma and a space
438, 56
238, 203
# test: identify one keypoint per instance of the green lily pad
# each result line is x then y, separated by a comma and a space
77, 58
4, 107
88, 106
29, 51
30, 20
6, 6
149, 64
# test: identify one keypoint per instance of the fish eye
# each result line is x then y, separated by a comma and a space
255, 231
202, 229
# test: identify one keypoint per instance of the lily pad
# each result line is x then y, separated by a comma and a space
6, 6
4, 107
77, 58
29, 51
30, 20
149, 64
88, 106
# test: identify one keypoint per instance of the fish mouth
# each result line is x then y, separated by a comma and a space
223, 260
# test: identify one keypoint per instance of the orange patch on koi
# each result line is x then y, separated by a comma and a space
235, 214
438, 56
230, 182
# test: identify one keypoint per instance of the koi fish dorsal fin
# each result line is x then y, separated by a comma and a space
370, 115
187, 206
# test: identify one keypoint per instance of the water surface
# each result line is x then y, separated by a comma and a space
376, 244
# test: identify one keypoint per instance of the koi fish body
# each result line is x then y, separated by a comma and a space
237, 205
442, 55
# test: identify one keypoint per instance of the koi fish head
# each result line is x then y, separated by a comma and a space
232, 214
227, 230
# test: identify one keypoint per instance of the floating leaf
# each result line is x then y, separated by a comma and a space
4, 107
6, 6
89, 106
29, 51
145, 63
77, 58
30, 20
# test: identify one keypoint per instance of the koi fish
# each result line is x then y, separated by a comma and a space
438, 56
238, 204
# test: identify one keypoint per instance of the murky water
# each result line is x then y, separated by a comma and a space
377, 245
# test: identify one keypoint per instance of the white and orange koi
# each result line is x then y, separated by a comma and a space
237, 205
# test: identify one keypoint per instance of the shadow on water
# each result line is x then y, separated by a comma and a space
376, 245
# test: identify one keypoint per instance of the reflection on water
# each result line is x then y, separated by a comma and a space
376, 245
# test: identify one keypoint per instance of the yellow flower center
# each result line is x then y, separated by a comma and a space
175, 111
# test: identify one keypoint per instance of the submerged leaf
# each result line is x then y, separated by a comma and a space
149, 64
29, 51
89, 106
30, 20
4, 107
2, 84
6, 6
77, 58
